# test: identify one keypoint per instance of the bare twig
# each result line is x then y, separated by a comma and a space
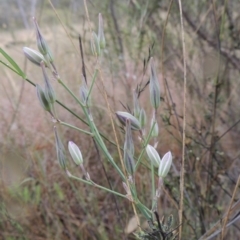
184, 122
229, 209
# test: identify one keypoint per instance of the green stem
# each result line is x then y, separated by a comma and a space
73, 127
93, 81
153, 185
96, 185
144, 146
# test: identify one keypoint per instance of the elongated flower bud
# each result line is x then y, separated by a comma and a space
33, 56
154, 87
41, 43
42, 99
142, 118
48, 90
128, 144
95, 45
60, 150
153, 155
75, 153
129, 150
155, 130
165, 165
123, 116
136, 106
84, 93
101, 38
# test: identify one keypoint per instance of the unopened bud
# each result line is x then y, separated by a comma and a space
123, 116
84, 93
48, 90
153, 155
165, 165
137, 109
142, 118
101, 38
60, 150
155, 130
129, 150
33, 56
75, 153
154, 86
42, 99
95, 45
41, 43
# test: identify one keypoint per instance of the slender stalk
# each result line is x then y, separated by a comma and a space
180, 214
153, 185
93, 81
73, 127
96, 185
144, 145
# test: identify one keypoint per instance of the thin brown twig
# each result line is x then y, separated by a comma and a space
229, 208
184, 123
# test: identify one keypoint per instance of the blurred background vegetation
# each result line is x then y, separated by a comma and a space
37, 200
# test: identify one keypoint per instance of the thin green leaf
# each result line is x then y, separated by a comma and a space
13, 63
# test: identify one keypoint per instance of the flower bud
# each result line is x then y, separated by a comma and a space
48, 90
75, 153
165, 165
101, 38
41, 43
123, 116
95, 45
84, 93
142, 118
33, 56
153, 155
155, 130
129, 150
137, 109
60, 150
154, 86
42, 99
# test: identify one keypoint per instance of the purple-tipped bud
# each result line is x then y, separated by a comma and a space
60, 150
75, 153
41, 43
42, 99
101, 38
129, 150
165, 165
154, 86
153, 155
84, 93
95, 45
48, 90
33, 56
123, 116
